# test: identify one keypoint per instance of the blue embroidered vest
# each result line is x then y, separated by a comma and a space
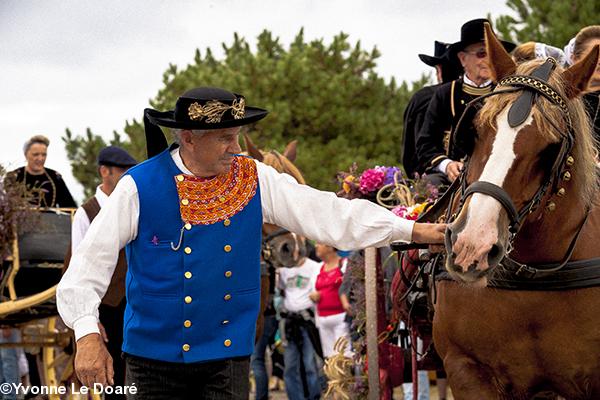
194, 268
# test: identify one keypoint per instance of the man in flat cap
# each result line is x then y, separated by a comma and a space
438, 153
113, 162
446, 69
191, 218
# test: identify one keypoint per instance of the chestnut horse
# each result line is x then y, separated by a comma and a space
282, 162
520, 316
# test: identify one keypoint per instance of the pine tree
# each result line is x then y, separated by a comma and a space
328, 96
553, 22
82, 152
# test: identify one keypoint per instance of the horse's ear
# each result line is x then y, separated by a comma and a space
252, 150
578, 75
501, 63
290, 150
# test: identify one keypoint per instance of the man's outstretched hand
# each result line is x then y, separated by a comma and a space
93, 363
428, 233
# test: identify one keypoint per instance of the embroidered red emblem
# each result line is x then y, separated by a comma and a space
206, 202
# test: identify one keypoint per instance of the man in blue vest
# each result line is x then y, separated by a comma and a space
190, 219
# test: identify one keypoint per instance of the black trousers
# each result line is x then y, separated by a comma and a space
214, 380
112, 319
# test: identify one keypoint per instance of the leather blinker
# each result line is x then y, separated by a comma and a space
521, 108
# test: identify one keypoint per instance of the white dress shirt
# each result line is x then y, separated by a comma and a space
317, 215
81, 222
471, 83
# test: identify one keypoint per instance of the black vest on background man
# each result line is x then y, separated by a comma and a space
444, 111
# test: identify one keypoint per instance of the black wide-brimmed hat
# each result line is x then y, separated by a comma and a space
472, 32
439, 55
201, 108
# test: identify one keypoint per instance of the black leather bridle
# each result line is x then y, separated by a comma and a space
532, 86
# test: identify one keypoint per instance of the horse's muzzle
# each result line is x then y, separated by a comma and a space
472, 261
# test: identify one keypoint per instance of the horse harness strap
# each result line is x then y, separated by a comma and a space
564, 276
499, 194
567, 275
541, 271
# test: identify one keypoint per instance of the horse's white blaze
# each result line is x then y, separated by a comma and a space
501, 159
480, 232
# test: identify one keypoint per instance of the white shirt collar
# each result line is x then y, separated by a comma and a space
179, 161
471, 83
101, 197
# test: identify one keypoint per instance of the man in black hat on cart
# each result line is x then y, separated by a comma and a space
113, 162
446, 70
190, 218
437, 153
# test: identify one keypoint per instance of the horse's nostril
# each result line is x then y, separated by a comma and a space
495, 255
494, 251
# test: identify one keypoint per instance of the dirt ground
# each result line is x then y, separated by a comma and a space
280, 395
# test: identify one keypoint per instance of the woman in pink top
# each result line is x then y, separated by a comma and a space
330, 312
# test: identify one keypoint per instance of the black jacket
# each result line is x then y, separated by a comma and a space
444, 111
414, 115
48, 189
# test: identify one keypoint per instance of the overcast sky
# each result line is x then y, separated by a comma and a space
77, 64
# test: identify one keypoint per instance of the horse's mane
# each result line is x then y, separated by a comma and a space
584, 148
282, 164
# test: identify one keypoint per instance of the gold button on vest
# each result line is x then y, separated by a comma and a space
185, 202
187, 323
227, 297
228, 274
227, 343
227, 248
188, 226
188, 299
186, 347
188, 275
188, 250
180, 178
222, 199
227, 222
